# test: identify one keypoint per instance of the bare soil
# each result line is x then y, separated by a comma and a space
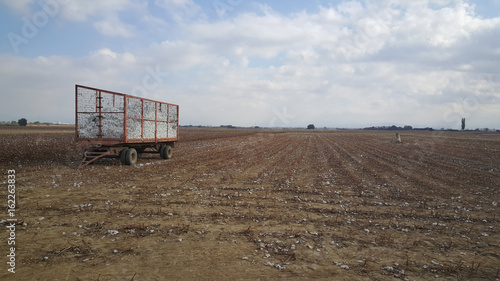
257, 204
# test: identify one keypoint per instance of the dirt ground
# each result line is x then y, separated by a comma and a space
256, 204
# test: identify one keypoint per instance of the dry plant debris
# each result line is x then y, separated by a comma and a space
250, 204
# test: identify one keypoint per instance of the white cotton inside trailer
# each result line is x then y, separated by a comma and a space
133, 128
102, 114
112, 103
86, 100
149, 130
134, 108
87, 125
149, 110
162, 112
161, 130
112, 125
172, 113
172, 130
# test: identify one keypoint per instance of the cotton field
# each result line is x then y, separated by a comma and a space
260, 204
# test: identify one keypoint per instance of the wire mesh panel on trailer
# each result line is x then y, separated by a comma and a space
110, 119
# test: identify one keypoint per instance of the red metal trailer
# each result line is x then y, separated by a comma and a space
124, 126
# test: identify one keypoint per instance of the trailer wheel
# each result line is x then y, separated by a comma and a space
131, 156
166, 152
122, 156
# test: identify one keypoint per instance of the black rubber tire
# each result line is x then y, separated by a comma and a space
166, 152
131, 156
122, 154
162, 152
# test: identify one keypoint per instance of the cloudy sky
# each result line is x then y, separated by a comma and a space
254, 62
